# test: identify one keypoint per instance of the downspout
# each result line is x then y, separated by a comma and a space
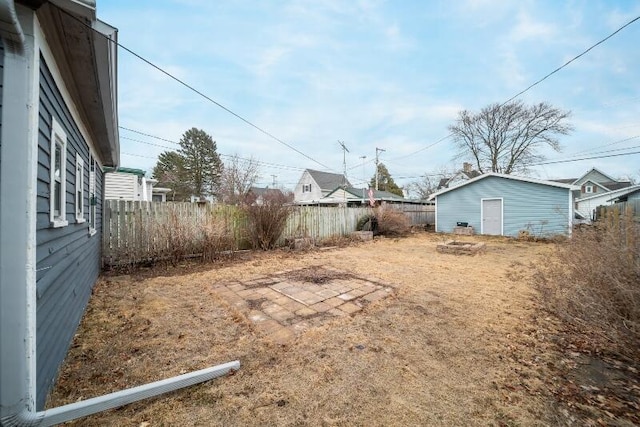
87, 407
16, 304
10, 29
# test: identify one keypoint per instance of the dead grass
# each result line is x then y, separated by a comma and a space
462, 342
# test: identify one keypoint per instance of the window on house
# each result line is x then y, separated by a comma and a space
58, 176
92, 195
79, 193
588, 189
306, 188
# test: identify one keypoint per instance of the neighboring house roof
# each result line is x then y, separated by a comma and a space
617, 185
328, 180
132, 171
565, 180
626, 192
613, 194
377, 194
501, 175
595, 170
465, 174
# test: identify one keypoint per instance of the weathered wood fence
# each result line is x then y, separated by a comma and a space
631, 207
135, 232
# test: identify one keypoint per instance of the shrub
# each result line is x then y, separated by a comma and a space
266, 221
392, 222
594, 283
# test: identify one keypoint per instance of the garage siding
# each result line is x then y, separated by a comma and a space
541, 209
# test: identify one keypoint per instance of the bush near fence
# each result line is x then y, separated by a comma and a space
139, 232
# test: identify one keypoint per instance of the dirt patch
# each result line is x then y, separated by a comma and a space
461, 342
315, 275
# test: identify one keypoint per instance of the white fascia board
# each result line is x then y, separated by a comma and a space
512, 177
614, 193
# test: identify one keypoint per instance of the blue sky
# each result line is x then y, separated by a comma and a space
387, 74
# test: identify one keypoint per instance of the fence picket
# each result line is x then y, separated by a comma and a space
132, 231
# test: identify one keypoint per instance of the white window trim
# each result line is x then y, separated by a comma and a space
92, 194
79, 188
588, 189
58, 137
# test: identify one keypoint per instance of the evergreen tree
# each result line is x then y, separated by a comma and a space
385, 181
169, 171
201, 162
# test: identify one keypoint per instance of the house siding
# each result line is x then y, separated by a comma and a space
316, 192
121, 186
1, 83
67, 258
539, 208
593, 176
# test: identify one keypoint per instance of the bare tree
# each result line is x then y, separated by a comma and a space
238, 176
425, 186
429, 182
507, 138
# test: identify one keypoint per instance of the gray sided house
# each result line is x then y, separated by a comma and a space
58, 131
314, 185
505, 204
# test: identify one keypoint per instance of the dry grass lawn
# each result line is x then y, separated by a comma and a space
461, 342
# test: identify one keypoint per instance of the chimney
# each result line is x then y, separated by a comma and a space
466, 167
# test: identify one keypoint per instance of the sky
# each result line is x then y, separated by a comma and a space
372, 74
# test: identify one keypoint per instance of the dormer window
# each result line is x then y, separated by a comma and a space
588, 189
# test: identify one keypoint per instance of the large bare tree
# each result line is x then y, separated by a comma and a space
238, 176
508, 138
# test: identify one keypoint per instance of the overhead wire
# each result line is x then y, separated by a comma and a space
193, 89
540, 80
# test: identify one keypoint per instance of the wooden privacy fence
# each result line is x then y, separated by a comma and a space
135, 232
631, 207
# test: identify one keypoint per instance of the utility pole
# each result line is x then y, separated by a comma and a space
378, 150
345, 150
364, 179
274, 180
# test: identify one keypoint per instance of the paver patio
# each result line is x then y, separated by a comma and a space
290, 302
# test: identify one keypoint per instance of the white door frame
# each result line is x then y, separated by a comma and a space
501, 213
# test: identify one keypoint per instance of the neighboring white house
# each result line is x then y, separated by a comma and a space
132, 185
466, 173
586, 206
315, 185
596, 188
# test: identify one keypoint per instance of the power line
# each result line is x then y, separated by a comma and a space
193, 89
537, 82
274, 165
584, 158
571, 60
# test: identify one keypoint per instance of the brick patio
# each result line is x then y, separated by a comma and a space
284, 305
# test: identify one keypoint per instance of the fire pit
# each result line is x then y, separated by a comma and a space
457, 247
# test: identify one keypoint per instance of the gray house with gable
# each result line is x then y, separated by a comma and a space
58, 131
314, 185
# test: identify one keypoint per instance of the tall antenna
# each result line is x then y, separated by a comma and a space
345, 150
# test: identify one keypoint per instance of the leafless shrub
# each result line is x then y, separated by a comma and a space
392, 222
266, 220
175, 236
594, 283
